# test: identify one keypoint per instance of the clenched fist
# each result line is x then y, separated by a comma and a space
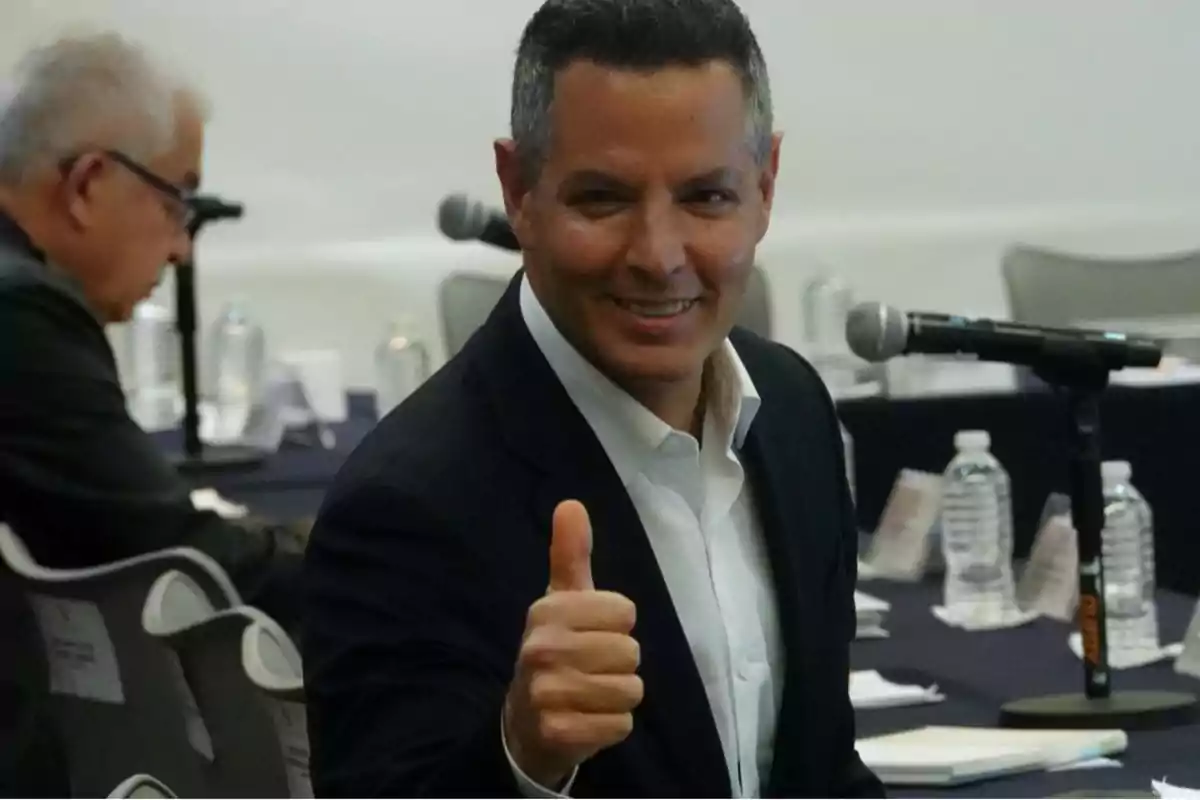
576, 682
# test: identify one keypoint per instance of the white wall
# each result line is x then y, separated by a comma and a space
922, 137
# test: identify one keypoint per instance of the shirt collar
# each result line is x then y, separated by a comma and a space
629, 432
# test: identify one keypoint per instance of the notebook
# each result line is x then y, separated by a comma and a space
945, 756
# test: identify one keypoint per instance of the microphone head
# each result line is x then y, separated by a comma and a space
876, 332
210, 208
462, 219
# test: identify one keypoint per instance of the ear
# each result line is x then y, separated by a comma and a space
513, 184
766, 182
80, 186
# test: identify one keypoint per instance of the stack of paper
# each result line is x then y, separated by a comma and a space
943, 756
870, 612
869, 689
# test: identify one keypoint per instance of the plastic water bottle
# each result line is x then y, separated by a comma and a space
150, 356
237, 364
1128, 578
826, 304
976, 529
1150, 565
401, 365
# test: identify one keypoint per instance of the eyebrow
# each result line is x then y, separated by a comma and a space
592, 177
720, 175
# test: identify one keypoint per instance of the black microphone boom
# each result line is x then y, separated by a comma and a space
877, 332
198, 457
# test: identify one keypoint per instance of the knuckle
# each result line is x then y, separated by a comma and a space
624, 726
540, 650
635, 691
633, 653
626, 612
541, 612
544, 691
556, 730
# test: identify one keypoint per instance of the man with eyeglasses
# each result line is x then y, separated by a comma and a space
99, 155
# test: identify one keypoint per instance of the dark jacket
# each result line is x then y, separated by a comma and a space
81, 483
433, 543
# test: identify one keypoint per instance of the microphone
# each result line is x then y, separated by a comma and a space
876, 332
465, 220
210, 208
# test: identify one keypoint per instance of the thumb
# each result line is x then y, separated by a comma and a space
571, 548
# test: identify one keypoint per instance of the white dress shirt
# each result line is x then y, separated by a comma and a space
698, 513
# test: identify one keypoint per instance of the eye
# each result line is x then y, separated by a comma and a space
712, 201
712, 196
596, 203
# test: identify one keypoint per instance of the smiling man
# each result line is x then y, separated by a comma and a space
609, 549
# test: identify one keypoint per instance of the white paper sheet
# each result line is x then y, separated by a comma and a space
1168, 792
1014, 620
869, 689
210, 500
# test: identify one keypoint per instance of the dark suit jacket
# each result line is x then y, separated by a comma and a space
79, 480
433, 542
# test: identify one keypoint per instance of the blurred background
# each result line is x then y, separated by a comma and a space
922, 139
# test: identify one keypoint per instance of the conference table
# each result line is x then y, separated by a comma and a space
980, 671
976, 671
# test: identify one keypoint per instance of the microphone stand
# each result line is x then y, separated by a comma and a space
198, 458
1074, 370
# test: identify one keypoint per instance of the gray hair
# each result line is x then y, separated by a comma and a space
88, 91
639, 35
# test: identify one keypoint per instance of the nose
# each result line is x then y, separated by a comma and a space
181, 247
656, 244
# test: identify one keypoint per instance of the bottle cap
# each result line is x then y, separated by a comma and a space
972, 440
1116, 471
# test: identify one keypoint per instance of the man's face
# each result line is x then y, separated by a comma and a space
124, 228
640, 230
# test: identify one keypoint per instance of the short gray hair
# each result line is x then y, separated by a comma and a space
639, 35
84, 91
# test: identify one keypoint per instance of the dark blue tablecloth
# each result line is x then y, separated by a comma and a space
292, 482
978, 672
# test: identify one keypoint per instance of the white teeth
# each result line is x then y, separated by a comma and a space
657, 309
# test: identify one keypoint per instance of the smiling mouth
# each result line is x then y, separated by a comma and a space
659, 308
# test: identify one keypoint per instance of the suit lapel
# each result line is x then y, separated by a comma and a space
541, 424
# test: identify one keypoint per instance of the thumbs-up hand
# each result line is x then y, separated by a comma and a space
576, 682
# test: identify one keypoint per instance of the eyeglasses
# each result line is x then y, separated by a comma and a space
180, 208
179, 203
